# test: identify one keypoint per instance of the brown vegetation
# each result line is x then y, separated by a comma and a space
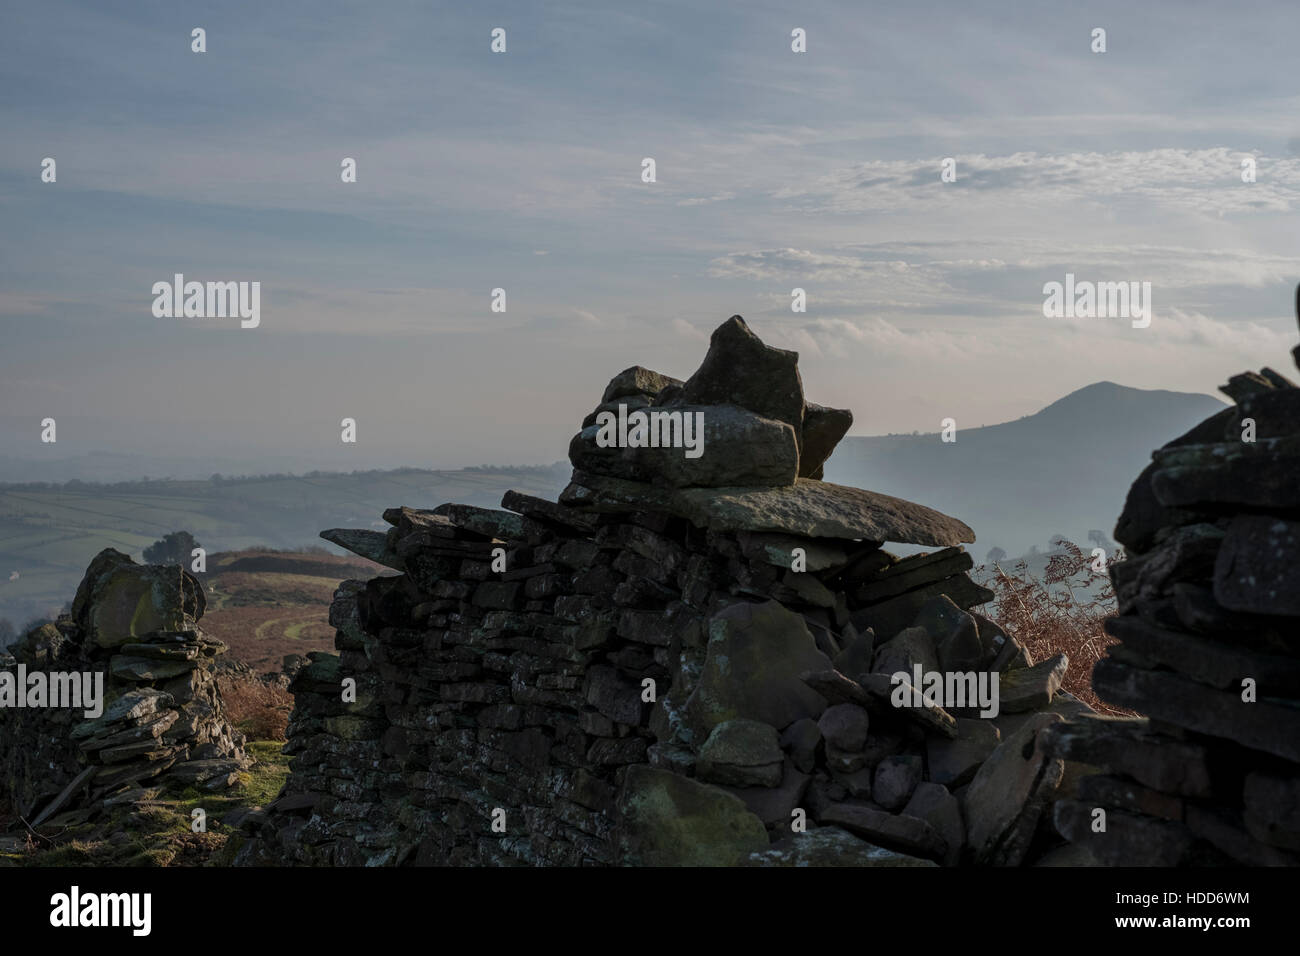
266, 605
1061, 612
261, 710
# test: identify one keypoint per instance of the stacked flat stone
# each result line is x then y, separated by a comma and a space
1209, 651
672, 661
162, 721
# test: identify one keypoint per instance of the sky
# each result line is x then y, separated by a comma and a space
522, 170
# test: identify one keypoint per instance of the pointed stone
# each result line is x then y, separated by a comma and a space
740, 370
369, 544
822, 430
636, 380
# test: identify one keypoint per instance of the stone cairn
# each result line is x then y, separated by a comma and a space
1209, 631
162, 720
683, 661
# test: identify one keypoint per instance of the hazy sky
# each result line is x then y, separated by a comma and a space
522, 170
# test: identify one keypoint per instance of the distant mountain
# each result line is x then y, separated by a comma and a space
1063, 470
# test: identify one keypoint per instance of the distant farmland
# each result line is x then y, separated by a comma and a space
49, 533
264, 606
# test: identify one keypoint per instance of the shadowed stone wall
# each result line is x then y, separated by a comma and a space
1209, 625
162, 721
684, 660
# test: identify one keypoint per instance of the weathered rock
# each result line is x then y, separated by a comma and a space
1203, 660
670, 820
993, 639
1130, 747
816, 509
801, 740
810, 590
148, 668
1105, 791
781, 551
880, 690
130, 707
961, 651
1258, 567
844, 726
548, 512
858, 651
1261, 725
1186, 553
892, 615
908, 574
372, 545
603, 494
754, 657
775, 806
894, 780
119, 601
831, 846
738, 448
1259, 475
634, 380
1127, 837
1032, 688
741, 753
1272, 810
1002, 805
489, 522
822, 430
954, 761
740, 370
939, 808
909, 648
835, 687
857, 783
1222, 830
819, 509
904, 833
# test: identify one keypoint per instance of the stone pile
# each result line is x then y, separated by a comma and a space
162, 720
1209, 631
685, 660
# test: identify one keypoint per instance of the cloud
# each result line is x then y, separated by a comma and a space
686, 330
705, 200
961, 277
1206, 181
1188, 328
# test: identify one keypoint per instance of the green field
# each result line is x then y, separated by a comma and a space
49, 534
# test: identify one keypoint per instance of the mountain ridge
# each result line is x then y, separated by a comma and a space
1064, 469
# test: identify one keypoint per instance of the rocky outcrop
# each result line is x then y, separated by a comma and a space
134, 630
665, 667
1209, 631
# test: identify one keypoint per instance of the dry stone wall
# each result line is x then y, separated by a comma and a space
133, 632
1209, 627
686, 659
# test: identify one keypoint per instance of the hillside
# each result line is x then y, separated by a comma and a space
1063, 470
49, 532
265, 605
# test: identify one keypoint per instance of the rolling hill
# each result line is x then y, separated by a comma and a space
1063, 470
49, 533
